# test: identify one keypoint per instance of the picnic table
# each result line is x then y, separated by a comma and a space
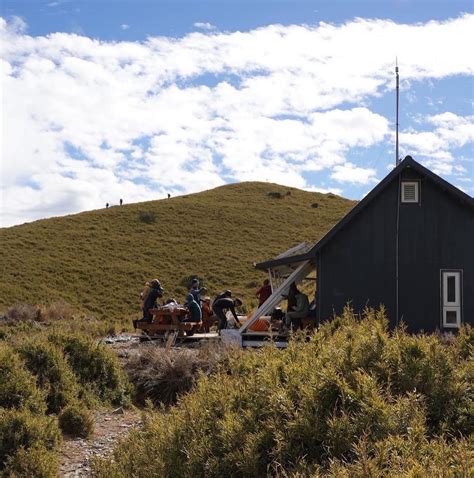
169, 318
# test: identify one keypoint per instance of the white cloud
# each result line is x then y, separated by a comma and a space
348, 172
204, 25
124, 26
451, 131
85, 121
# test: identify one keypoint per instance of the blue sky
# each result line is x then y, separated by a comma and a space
104, 100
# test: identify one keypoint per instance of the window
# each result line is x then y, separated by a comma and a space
451, 291
410, 191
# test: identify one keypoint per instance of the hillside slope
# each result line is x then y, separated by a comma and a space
98, 261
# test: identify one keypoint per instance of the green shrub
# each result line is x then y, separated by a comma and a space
54, 375
23, 430
407, 457
275, 194
354, 400
97, 369
34, 462
75, 420
425, 365
17, 385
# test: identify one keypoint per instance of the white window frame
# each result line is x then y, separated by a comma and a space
451, 306
417, 192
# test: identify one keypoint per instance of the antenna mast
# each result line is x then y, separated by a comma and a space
397, 158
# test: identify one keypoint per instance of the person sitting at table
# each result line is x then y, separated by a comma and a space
208, 316
195, 313
299, 311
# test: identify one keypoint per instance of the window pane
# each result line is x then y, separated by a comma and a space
451, 317
451, 285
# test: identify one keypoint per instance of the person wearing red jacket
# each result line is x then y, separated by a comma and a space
264, 292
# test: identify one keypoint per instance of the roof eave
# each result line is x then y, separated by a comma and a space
407, 162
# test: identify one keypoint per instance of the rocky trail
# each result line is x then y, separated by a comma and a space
76, 453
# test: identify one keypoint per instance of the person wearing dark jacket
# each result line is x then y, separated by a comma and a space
292, 293
226, 294
151, 293
156, 291
221, 306
295, 316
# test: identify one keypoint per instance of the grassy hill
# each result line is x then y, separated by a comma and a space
98, 261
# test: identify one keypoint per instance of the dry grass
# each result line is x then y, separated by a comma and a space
59, 310
163, 375
98, 261
22, 312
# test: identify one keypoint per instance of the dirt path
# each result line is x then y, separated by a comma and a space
110, 426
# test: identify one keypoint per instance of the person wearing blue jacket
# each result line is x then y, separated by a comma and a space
196, 291
195, 312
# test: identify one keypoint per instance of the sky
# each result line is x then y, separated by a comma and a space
105, 100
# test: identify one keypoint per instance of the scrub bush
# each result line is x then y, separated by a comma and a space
97, 369
353, 400
37, 462
23, 430
17, 385
147, 217
54, 375
75, 420
275, 194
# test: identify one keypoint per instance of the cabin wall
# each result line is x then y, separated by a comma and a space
437, 233
359, 264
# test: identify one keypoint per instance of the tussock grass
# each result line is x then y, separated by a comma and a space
98, 261
162, 376
22, 312
354, 400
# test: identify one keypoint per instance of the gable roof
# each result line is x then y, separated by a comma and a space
408, 162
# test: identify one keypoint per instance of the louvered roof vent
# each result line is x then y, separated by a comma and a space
410, 193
